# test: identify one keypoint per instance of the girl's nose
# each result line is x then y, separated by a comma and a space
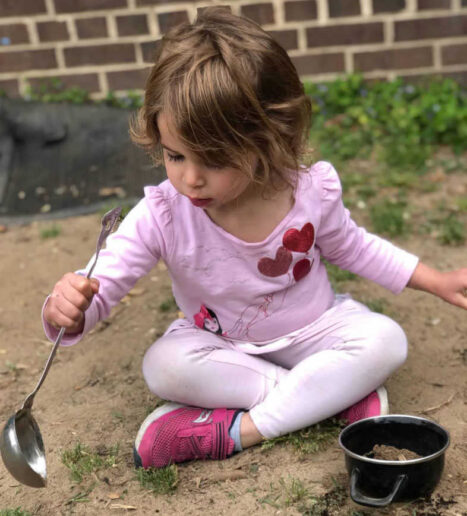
193, 176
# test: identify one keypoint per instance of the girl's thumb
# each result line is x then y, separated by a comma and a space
95, 285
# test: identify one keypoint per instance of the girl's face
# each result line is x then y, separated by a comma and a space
206, 187
211, 324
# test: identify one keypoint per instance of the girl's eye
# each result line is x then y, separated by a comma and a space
175, 157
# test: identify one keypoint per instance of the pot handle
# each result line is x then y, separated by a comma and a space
360, 498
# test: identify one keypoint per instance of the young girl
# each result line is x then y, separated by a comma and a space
266, 347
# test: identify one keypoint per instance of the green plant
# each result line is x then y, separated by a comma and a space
50, 232
403, 123
337, 275
294, 490
54, 90
130, 100
14, 512
452, 231
308, 440
389, 217
159, 480
168, 305
81, 460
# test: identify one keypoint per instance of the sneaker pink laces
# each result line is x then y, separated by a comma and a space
375, 404
177, 433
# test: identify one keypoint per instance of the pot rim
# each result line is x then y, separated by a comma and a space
395, 462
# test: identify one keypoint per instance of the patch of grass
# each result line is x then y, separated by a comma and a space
168, 305
330, 503
294, 491
337, 275
50, 232
452, 231
309, 440
159, 480
390, 217
81, 460
461, 204
376, 305
14, 512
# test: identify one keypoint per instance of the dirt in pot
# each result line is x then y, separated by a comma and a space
384, 452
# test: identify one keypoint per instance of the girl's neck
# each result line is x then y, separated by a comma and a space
254, 216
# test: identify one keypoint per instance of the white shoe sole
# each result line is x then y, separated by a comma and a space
383, 399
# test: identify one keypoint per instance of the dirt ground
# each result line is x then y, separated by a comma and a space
95, 393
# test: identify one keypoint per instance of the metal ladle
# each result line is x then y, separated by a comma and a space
21, 442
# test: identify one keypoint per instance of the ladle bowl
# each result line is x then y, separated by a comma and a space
21, 444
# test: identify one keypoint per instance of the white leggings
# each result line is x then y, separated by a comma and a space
306, 377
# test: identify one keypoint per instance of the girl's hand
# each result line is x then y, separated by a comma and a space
449, 286
68, 301
452, 287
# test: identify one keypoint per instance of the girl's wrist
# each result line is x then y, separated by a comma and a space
427, 279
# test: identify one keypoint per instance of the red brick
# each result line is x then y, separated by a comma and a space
128, 80
288, 39
169, 20
338, 8
21, 7
88, 28
260, 13
10, 87
460, 77
226, 7
75, 6
454, 54
431, 28
394, 59
52, 31
85, 81
143, 3
354, 34
300, 10
148, 48
423, 5
27, 60
132, 25
100, 54
388, 6
322, 63
15, 32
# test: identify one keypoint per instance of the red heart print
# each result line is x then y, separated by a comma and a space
277, 266
301, 269
299, 241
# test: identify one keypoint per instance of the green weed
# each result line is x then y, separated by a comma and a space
337, 275
53, 90
452, 231
308, 440
294, 491
14, 512
389, 217
50, 232
168, 305
81, 460
159, 480
461, 204
376, 305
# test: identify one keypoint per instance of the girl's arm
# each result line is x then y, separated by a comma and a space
450, 286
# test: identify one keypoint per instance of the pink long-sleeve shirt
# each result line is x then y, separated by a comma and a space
254, 292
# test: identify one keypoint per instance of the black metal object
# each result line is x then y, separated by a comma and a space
377, 483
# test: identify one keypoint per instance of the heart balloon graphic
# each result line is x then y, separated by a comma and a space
301, 269
299, 241
277, 266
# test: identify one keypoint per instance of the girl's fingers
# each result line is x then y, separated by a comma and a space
65, 315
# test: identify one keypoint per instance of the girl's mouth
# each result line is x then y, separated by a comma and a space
200, 203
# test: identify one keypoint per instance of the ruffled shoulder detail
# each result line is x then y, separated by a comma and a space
330, 184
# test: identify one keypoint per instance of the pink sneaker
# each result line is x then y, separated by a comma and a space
375, 404
177, 433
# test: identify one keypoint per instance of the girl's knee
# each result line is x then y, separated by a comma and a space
392, 339
159, 368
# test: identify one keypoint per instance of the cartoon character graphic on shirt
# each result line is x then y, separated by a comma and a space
206, 319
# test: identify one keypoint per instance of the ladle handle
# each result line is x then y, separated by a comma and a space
108, 222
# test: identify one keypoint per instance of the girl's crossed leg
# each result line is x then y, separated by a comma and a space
328, 366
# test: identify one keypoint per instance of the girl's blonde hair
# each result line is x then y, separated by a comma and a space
230, 91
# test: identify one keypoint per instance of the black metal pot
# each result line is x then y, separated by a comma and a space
377, 483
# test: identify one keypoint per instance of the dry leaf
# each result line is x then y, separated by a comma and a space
121, 506
113, 496
136, 291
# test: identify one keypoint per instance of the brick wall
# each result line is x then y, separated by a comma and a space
107, 45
